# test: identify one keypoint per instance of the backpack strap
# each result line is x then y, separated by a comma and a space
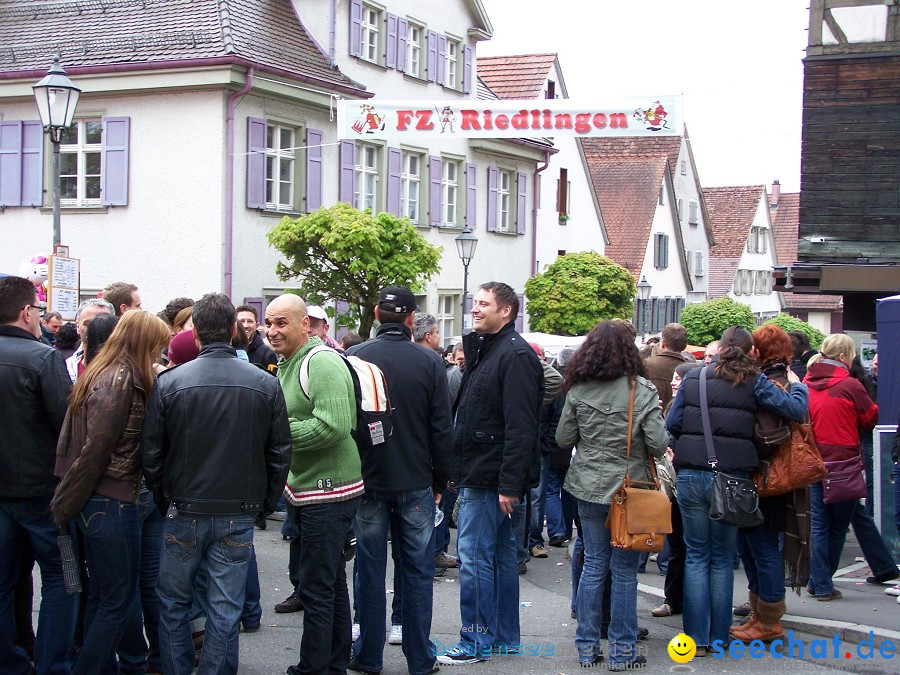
707, 427
304, 366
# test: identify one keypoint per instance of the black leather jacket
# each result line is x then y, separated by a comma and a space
216, 436
34, 389
496, 442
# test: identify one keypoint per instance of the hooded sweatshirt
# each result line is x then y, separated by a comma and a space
839, 407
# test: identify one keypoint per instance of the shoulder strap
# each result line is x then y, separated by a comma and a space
628, 435
304, 366
704, 413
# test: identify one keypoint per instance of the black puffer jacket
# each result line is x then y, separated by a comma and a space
496, 444
216, 436
34, 389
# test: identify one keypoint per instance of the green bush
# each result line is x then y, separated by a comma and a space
706, 321
789, 323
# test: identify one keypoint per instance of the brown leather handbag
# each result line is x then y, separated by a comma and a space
794, 465
639, 517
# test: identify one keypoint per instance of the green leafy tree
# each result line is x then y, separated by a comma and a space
341, 253
789, 323
706, 321
577, 291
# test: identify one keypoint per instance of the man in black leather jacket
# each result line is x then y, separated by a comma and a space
34, 387
495, 458
216, 449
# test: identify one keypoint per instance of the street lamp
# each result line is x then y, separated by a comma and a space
56, 97
643, 292
465, 246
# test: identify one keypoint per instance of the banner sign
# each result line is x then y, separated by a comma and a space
537, 118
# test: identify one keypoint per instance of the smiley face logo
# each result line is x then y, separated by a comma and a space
682, 648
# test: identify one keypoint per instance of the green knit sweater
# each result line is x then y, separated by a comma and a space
325, 464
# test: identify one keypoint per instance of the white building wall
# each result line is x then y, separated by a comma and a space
767, 303
694, 235
668, 282
168, 239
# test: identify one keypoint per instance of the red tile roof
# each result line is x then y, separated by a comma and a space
520, 76
267, 33
636, 146
628, 191
731, 211
721, 276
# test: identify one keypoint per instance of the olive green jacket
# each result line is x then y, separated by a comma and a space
595, 420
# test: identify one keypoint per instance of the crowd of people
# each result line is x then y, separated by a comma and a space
158, 443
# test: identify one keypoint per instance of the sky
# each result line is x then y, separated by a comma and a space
737, 65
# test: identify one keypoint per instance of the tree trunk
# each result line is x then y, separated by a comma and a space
365, 322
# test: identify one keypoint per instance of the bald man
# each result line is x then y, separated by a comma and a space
324, 484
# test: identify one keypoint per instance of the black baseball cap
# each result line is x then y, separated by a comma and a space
398, 299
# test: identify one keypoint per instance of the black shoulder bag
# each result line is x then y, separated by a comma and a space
734, 500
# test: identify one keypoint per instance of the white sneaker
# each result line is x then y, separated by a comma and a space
396, 636
893, 590
354, 632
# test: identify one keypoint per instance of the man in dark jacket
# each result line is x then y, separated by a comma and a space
216, 450
660, 366
34, 388
403, 484
495, 458
258, 351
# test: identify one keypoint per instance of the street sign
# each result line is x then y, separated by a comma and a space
63, 286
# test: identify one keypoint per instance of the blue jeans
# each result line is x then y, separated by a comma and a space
577, 567
873, 547
708, 571
112, 540
251, 612
559, 505
223, 544
536, 499
896, 497
761, 555
442, 531
600, 561
488, 573
134, 652
53, 652
829, 530
519, 523
413, 513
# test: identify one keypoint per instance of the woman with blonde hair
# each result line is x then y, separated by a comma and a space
839, 407
98, 459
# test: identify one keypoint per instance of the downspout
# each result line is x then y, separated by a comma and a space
534, 209
331, 32
229, 179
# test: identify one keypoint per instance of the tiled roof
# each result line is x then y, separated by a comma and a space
721, 276
628, 191
731, 211
636, 146
485, 93
89, 33
516, 76
786, 228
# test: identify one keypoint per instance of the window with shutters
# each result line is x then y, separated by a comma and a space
365, 193
370, 34
660, 250
563, 193
451, 77
280, 167
683, 168
450, 192
411, 186
693, 212
503, 200
662, 196
80, 152
448, 303
414, 37
699, 264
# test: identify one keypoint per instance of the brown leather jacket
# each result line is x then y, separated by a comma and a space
99, 448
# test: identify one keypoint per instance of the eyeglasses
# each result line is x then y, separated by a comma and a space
37, 307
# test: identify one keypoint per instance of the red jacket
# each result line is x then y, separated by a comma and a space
839, 407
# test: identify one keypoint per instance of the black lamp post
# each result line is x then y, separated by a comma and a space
643, 292
465, 246
56, 97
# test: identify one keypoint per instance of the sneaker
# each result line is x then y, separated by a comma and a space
350, 548
654, 557
637, 663
290, 604
539, 552
396, 636
742, 610
664, 609
523, 569
882, 578
643, 633
701, 652
893, 590
446, 560
439, 570
557, 541
459, 655
251, 628
834, 595
276, 515
356, 668
354, 632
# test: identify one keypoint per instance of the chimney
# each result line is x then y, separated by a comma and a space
775, 195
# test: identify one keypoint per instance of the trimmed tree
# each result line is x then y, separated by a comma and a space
789, 323
576, 292
706, 321
341, 253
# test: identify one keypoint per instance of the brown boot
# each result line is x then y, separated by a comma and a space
768, 627
753, 600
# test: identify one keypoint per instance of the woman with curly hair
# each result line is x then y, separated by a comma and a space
735, 388
604, 382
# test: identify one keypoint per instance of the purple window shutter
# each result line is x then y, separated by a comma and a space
471, 176
256, 163
114, 161
390, 54
257, 304
468, 62
11, 163
32, 163
348, 172
493, 181
314, 169
521, 214
395, 162
355, 26
520, 317
441, 60
436, 193
431, 63
402, 33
